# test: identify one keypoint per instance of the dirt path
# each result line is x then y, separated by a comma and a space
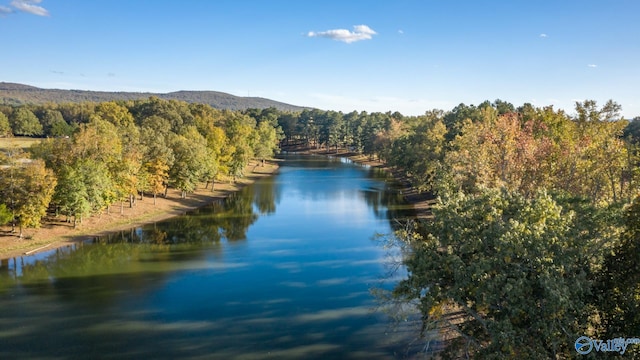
59, 233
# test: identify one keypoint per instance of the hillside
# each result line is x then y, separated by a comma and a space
17, 94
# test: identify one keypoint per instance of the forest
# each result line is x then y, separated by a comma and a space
98, 154
534, 234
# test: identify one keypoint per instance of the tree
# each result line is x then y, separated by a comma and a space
39, 184
631, 131
618, 290
71, 195
158, 156
588, 111
289, 124
190, 153
5, 214
54, 124
115, 113
25, 123
336, 129
157, 176
26, 187
267, 142
418, 152
513, 268
5, 126
241, 133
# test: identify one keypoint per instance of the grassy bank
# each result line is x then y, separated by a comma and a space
58, 233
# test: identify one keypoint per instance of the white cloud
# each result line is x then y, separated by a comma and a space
543, 35
360, 32
30, 6
400, 32
592, 65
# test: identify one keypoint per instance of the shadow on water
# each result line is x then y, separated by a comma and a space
177, 239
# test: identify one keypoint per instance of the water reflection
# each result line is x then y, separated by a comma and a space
281, 269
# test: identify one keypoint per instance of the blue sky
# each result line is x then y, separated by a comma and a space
404, 55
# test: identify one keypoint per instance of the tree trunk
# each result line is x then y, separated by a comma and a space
154, 198
121, 207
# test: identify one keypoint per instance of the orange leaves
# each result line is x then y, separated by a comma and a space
549, 150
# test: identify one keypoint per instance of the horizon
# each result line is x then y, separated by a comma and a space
410, 56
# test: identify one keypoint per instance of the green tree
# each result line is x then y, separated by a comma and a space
418, 152
618, 290
25, 123
5, 126
588, 111
266, 145
512, 267
5, 214
190, 153
54, 124
158, 156
240, 130
71, 195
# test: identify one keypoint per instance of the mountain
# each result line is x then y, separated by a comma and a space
17, 94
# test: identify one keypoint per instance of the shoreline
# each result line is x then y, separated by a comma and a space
54, 235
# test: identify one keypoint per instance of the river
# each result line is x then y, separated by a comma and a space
282, 269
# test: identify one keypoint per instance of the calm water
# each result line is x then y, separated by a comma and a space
282, 269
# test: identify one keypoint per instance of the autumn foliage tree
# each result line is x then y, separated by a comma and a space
26, 189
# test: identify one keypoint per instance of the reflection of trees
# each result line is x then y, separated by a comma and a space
321, 178
236, 217
266, 195
387, 201
150, 249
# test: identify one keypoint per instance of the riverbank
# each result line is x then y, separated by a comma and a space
56, 234
420, 202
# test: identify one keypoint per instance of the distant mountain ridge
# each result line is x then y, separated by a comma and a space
19, 94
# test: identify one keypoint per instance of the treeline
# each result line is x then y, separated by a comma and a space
98, 154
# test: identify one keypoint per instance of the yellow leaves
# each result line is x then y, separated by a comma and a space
98, 141
114, 113
29, 187
547, 151
437, 310
158, 173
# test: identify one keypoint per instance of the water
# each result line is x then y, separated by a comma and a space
282, 269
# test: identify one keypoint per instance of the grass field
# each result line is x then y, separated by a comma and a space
20, 142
